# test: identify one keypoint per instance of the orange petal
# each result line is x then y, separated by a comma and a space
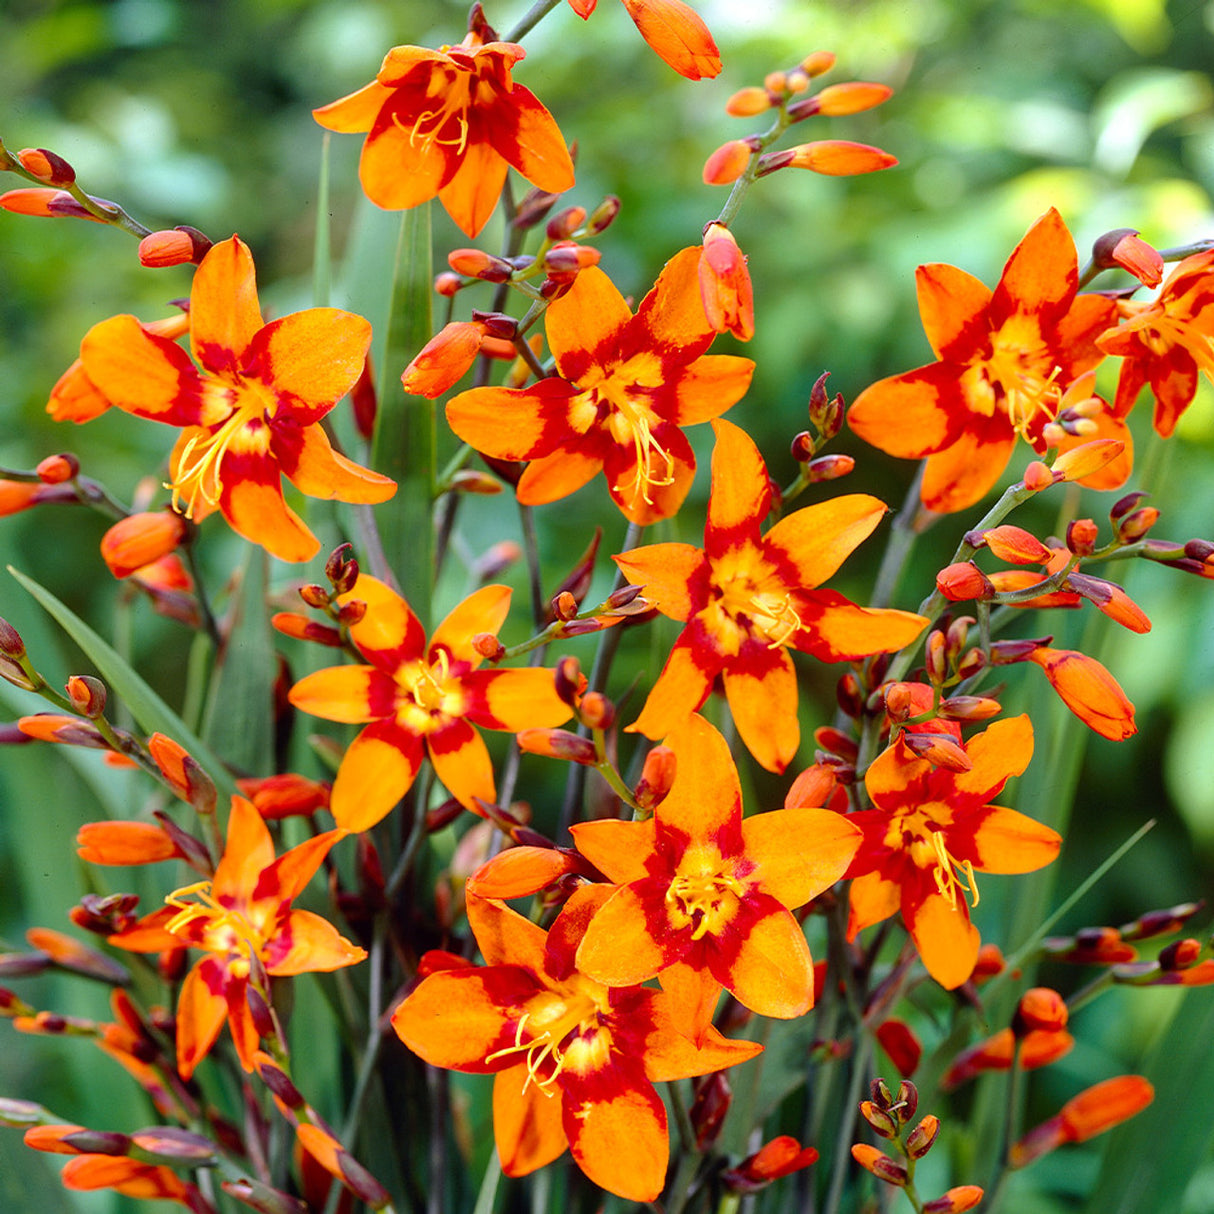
618, 1134
946, 939
1042, 273
471, 194
552, 477
741, 493
681, 688
527, 136
252, 503
676, 34
764, 706
248, 850
376, 771
308, 460
965, 472
397, 172
124, 843
527, 1125
912, 414
518, 872
457, 1018
709, 386
202, 1009
693, 994
584, 324
770, 970
511, 423
705, 801
1010, 842
462, 763
485, 610
838, 630
505, 937
355, 112
126, 1176
617, 849
313, 945
621, 946
224, 312
952, 306
389, 633
1000, 751
800, 852
340, 693
665, 572
818, 539
516, 699
872, 898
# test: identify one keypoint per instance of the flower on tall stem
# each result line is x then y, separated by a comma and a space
448, 123
627, 385
252, 414
575, 1061
746, 598
416, 699
931, 829
1004, 361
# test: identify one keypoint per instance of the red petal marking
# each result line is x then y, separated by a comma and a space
309, 360
741, 492
484, 610
354, 113
653, 488
1075, 337
515, 699
252, 502
706, 388
676, 34
308, 460
462, 763
306, 944
552, 477
762, 957
473, 190
836, 630
201, 1010
895, 781
953, 306
631, 937
507, 938
798, 853
616, 1125
147, 375
404, 64
1002, 750
965, 472
568, 930
224, 312
457, 1018
912, 414
1005, 841
946, 939
523, 132
376, 771
526, 1123
353, 694
705, 802
672, 576
619, 850
682, 687
816, 540
1041, 275
248, 850
761, 688
389, 634
287, 877
586, 324
514, 423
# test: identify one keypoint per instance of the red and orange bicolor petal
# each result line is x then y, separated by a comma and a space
677, 35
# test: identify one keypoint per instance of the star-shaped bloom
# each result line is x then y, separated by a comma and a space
1004, 360
1167, 343
252, 414
447, 123
575, 1061
704, 896
417, 699
626, 385
931, 829
242, 919
747, 597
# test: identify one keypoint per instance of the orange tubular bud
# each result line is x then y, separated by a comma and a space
725, 287
963, 581
475, 263
880, 1165
285, 795
657, 777
748, 102
1089, 691
444, 359
292, 624
1081, 536
567, 257
956, 1200
852, 98
57, 469
818, 63
1037, 476
447, 284
779, 1157
558, 744
1040, 1009
1124, 248
1014, 544
140, 539
1085, 460
173, 247
920, 1140
47, 166
1093, 1111
838, 158
122, 843
48, 203
726, 164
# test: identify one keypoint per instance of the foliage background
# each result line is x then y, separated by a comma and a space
199, 113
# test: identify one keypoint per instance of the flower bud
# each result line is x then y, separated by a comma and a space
725, 286
748, 102
341, 569
47, 166
475, 263
938, 750
488, 646
11, 644
1081, 536
829, 468
709, 1105
173, 247
58, 469
564, 223
899, 1041
596, 710
568, 258
443, 360
969, 708
1123, 248
87, 695
919, 1141
352, 612
964, 581
831, 158
657, 777
139, 539
818, 63
802, 447
956, 1200
558, 744
1160, 922
728, 162
853, 97
1037, 476
935, 657
1040, 1009
603, 216
1180, 954
1136, 524
883, 1123
1014, 544
447, 284
1087, 459
880, 1165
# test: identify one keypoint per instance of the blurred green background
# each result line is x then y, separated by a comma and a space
198, 113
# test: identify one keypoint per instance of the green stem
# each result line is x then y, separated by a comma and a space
897, 551
531, 19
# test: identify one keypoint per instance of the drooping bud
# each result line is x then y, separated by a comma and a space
728, 162
476, 263
174, 247
47, 166
725, 286
139, 539
1123, 248
779, 1157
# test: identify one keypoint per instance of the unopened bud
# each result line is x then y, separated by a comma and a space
848, 695
969, 708
488, 646
964, 581
1180, 955
829, 468
728, 162
837, 100
569, 258
141, 539
907, 1101
879, 1164
1136, 524
802, 447
956, 1200
710, 1103
935, 658
938, 750
1040, 1009
603, 216
1004, 653
899, 702
87, 695
47, 166
447, 284
919, 1141
972, 661
558, 744
173, 247
748, 102
818, 63
1086, 459
352, 612
884, 1124
596, 710
831, 158
564, 223
1081, 536
569, 680
1124, 248
1037, 476
564, 606
56, 469
657, 777
476, 263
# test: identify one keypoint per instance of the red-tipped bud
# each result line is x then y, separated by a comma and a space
780, 1157
1122, 247
725, 287
831, 158
1040, 1009
1014, 544
564, 606
352, 612
341, 569
46, 202
173, 247
476, 263
596, 710
569, 258
558, 744
1081, 536
139, 539
964, 581
570, 681
447, 284
710, 1103
956, 1200
488, 646
603, 216
825, 412
728, 162
58, 469
1160, 922
47, 166
1180, 955
921, 1138
937, 750
802, 447
87, 695
879, 1164
1136, 524
657, 777
748, 102
564, 223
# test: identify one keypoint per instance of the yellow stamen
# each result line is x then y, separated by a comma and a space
216, 915
428, 127
428, 690
648, 452
951, 874
701, 895
778, 618
201, 460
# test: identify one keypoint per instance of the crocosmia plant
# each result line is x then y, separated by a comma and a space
608, 688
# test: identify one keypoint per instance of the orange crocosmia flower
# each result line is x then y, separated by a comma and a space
931, 829
627, 384
575, 1060
1093, 1111
241, 917
1004, 361
252, 414
1089, 691
674, 31
746, 598
704, 897
1038, 1048
725, 286
447, 123
1167, 343
417, 699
